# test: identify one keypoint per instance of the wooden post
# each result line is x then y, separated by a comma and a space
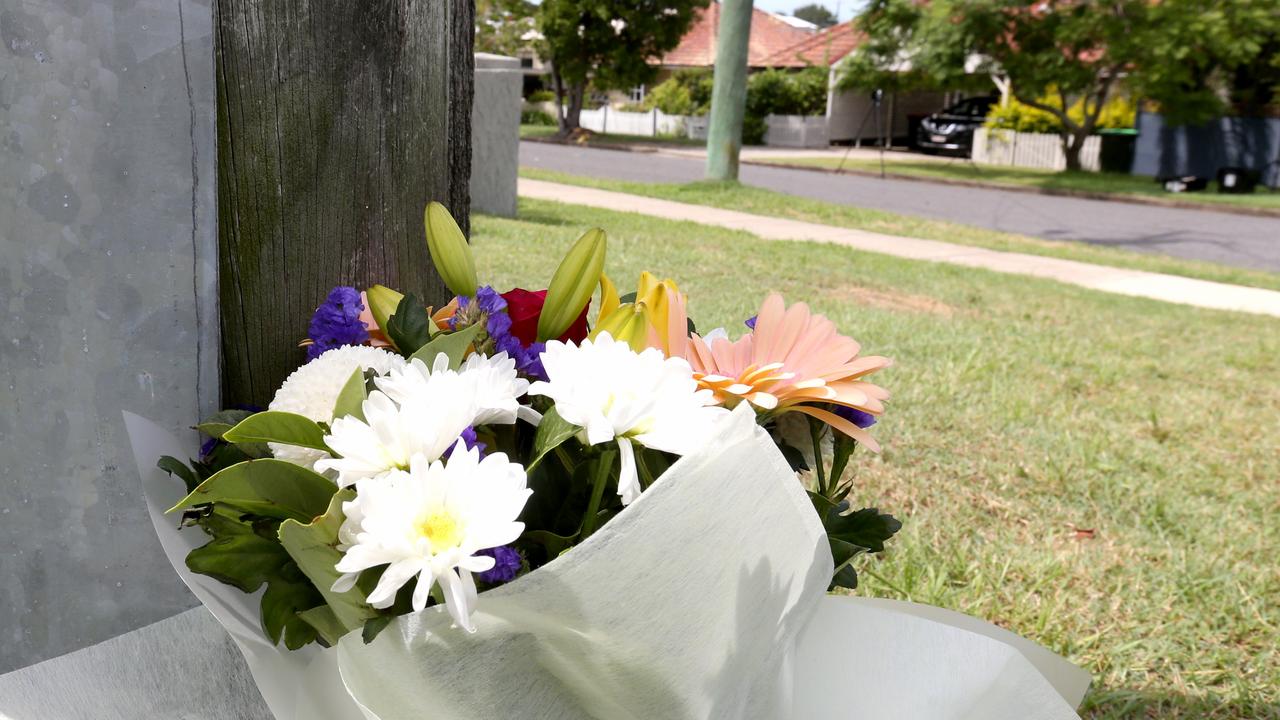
337, 123
729, 90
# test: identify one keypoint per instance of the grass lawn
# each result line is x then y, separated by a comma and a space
542, 131
1090, 182
733, 196
1095, 472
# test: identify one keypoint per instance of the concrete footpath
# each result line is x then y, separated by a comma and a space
1137, 283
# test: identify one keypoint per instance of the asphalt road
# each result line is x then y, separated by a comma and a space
1241, 240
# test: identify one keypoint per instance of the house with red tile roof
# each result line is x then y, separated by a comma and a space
770, 35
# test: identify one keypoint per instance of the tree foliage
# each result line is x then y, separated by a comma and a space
817, 14
503, 26
609, 42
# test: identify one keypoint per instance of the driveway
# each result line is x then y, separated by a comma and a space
1240, 240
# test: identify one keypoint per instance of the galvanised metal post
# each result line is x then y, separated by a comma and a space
729, 92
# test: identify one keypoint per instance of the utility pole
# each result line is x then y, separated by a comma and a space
337, 123
729, 93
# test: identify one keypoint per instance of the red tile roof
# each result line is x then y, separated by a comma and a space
769, 36
825, 47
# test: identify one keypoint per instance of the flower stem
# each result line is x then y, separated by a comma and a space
604, 465
815, 432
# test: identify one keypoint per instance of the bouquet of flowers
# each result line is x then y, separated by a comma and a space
496, 509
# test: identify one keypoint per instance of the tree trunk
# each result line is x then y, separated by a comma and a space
559, 86
1072, 144
573, 116
337, 123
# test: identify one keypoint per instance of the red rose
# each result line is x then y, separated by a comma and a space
524, 307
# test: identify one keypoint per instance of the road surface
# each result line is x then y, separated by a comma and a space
1240, 240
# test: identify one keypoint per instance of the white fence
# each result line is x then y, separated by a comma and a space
798, 131
1030, 150
648, 124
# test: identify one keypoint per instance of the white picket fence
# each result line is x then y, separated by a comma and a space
1030, 150
796, 131
648, 124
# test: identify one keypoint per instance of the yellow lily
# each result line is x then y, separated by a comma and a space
657, 319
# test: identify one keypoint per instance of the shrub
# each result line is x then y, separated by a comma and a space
539, 96
632, 107
1119, 112
671, 98
536, 117
778, 92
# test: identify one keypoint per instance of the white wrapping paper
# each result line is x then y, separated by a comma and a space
704, 599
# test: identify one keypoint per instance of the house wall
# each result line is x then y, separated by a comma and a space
850, 116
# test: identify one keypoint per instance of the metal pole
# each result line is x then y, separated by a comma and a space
729, 92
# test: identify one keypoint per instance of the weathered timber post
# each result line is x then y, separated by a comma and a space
337, 123
729, 90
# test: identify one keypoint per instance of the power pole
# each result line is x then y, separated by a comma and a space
729, 93
337, 123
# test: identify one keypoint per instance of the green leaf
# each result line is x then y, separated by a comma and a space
351, 398
867, 528
453, 344
271, 488
278, 427
220, 422
174, 466
409, 327
237, 555
449, 251
287, 595
845, 577
554, 544
795, 458
325, 623
552, 431
375, 626
572, 284
314, 547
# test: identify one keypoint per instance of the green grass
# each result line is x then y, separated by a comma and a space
746, 198
542, 131
1024, 413
1115, 184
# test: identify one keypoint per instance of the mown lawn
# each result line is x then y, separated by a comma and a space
1116, 184
734, 196
1095, 472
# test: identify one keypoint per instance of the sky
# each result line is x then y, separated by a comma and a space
785, 7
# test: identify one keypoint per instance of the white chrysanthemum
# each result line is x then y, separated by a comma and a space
492, 381
430, 522
312, 391
615, 393
390, 434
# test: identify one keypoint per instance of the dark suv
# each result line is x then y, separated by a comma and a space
951, 130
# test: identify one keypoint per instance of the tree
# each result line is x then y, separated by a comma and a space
503, 27
1053, 55
608, 43
817, 14
1213, 58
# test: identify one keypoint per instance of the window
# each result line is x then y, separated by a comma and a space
636, 95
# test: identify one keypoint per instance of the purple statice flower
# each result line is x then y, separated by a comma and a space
469, 439
490, 307
507, 564
337, 322
751, 322
206, 447
862, 419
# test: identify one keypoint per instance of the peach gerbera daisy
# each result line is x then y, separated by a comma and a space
792, 361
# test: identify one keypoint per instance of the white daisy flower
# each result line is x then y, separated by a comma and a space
491, 380
391, 435
312, 391
616, 394
429, 523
